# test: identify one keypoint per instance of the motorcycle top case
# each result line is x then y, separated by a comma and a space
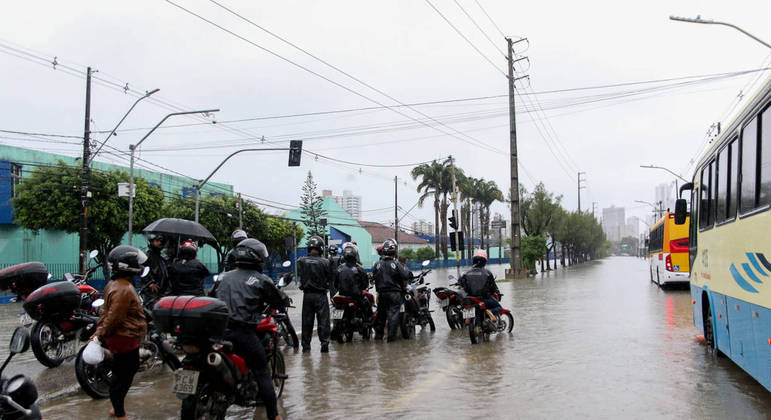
191, 316
23, 278
57, 298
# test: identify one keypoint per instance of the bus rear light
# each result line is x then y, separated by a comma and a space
693, 302
669, 263
678, 245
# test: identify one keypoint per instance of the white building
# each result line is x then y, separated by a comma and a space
349, 202
614, 223
422, 227
632, 227
666, 194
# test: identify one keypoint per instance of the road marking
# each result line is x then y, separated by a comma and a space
426, 385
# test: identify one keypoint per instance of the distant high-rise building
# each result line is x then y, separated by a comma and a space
422, 227
632, 227
349, 202
614, 222
666, 194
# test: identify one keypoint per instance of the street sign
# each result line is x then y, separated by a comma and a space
123, 190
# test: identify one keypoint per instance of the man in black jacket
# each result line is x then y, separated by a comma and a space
187, 274
391, 282
159, 273
351, 279
480, 283
246, 291
316, 277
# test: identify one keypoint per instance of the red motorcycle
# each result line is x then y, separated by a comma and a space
349, 317
480, 326
212, 377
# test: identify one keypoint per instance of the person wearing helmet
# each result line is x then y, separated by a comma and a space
122, 325
351, 279
315, 279
390, 282
479, 282
236, 237
186, 274
334, 261
246, 292
158, 277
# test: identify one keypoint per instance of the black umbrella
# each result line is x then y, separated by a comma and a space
181, 227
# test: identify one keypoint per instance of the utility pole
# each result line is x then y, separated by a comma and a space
516, 254
579, 190
84, 178
240, 212
455, 212
396, 211
294, 246
594, 203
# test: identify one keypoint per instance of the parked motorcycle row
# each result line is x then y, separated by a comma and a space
208, 377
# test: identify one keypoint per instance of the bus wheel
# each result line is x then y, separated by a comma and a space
651, 270
709, 332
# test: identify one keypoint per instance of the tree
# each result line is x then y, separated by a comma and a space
407, 253
533, 248
487, 193
425, 253
50, 199
538, 209
430, 186
311, 207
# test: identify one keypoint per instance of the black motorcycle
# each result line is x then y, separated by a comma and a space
154, 351
415, 309
18, 394
451, 302
281, 316
348, 317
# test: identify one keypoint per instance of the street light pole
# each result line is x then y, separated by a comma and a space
661, 167
146, 95
698, 19
133, 148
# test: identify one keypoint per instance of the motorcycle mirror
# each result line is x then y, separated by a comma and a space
49, 277
426, 263
19, 340
93, 254
97, 303
145, 272
216, 278
286, 264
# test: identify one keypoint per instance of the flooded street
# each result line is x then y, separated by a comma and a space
595, 340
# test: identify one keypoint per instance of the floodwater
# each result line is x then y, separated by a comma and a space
597, 340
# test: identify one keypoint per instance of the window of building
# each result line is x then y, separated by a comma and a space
765, 158
704, 194
749, 166
733, 177
15, 179
722, 190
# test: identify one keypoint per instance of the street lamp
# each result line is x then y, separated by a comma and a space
698, 19
661, 167
133, 148
655, 208
146, 95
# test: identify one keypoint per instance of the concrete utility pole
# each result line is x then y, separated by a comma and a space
455, 213
240, 212
516, 253
84, 179
396, 211
579, 190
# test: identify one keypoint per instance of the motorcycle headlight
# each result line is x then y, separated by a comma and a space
22, 389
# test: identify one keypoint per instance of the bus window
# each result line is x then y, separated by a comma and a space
733, 178
712, 192
765, 157
721, 187
704, 198
749, 166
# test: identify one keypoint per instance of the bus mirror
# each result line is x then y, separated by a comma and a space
688, 186
680, 211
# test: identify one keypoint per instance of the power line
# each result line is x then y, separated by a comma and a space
490, 19
480, 29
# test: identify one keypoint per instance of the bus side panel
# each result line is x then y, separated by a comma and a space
742, 343
720, 319
698, 319
761, 326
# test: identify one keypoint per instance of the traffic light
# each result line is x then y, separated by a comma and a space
295, 152
454, 220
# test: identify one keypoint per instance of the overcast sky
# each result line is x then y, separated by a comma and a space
406, 50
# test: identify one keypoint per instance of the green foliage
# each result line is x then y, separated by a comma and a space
538, 210
50, 199
425, 253
533, 249
408, 253
430, 186
311, 207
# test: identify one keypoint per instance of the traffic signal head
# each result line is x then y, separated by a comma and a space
453, 221
295, 152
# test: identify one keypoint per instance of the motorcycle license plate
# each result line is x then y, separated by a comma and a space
25, 319
337, 313
185, 381
444, 302
468, 313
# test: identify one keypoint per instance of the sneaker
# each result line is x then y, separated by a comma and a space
325, 348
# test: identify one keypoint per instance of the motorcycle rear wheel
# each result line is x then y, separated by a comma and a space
289, 334
278, 371
509, 320
337, 331
475, 329
48, 350
408, 326
431, 323
201, 406
94, 379
450, 319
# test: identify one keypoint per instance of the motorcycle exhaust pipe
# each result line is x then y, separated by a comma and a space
216, 361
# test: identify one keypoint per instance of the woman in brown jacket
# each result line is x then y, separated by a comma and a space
122, 323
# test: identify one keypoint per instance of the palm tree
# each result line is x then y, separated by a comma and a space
430, 185
488, 193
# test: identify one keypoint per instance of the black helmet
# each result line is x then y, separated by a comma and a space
152, 237
332, 249
350, 252
251, 252
126, 260
389, 247
237, 236
316, 242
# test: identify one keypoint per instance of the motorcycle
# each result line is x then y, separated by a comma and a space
479, 324
64, 317
18, 395
415, 307
451, 302
348, 317
285, 328
154, 351
212, 377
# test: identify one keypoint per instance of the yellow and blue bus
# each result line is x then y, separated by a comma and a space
730, 239
668, 251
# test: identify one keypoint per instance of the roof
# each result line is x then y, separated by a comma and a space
382, 232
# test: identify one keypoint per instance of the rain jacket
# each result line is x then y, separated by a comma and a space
315, 274
390, 275
246, 292
479, 282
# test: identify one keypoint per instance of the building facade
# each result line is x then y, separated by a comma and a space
349, 202
614, 223
422, 227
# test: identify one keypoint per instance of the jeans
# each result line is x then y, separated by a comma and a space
493, 305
